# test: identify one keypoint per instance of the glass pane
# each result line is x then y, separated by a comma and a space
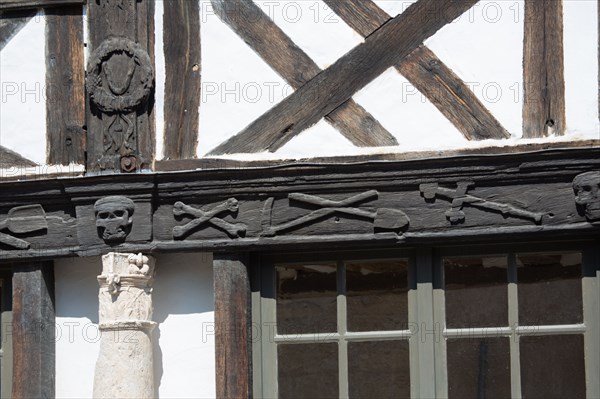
377, 295
306, 299
552, 366
308, 371
549, 289
478, 368
378, 369
476, 292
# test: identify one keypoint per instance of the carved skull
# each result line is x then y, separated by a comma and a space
587, 194
114, 218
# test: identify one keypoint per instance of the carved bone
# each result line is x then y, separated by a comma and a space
231, 205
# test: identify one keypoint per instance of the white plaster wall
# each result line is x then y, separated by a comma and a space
22, 91
184, 340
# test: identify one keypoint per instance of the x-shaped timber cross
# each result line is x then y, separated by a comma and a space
328, 93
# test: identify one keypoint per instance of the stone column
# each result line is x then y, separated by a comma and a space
125, 365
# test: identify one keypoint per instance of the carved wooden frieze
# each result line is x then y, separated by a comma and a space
210, 217
417, 203
383, 219
459, 199
587, 195
22, 220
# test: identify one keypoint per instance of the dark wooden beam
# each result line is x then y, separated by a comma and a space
517, 193
328, 90
121, 138
11, 23
232, 326
182, 87
543, 69
33, 330
65, 104
296, 67
224, 163
24, 4
10, 159
428, 74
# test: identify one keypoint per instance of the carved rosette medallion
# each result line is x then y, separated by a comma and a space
120, 76
125, 313
120, 80
587, 195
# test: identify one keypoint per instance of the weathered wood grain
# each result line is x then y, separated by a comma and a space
232, 326
130, 20
11, 23
296, 67
539, 182
33, 330
182, 87
543, 69
10, 159
328, 90
423, 69
65, 101
146, 121
24, 4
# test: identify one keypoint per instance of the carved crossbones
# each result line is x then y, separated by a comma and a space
460, 198
383, 218
202, 217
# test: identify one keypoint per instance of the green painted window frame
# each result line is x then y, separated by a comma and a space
427, 343
6, 354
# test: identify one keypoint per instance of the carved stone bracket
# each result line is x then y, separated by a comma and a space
22, 220
208, 217
384, 219
126, 326
587, 195
460, 198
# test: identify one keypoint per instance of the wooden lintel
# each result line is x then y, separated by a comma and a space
543, 69
237, 209
328, 90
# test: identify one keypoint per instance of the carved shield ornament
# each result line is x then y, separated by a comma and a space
120, 75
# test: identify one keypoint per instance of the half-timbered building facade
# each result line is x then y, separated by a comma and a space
299, 199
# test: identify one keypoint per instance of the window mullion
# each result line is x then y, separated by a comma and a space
342, 327
439, 318
513, 322
428, 333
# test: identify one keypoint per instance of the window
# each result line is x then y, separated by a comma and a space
6, 334
428, 323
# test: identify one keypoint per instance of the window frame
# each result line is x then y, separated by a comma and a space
427, 345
